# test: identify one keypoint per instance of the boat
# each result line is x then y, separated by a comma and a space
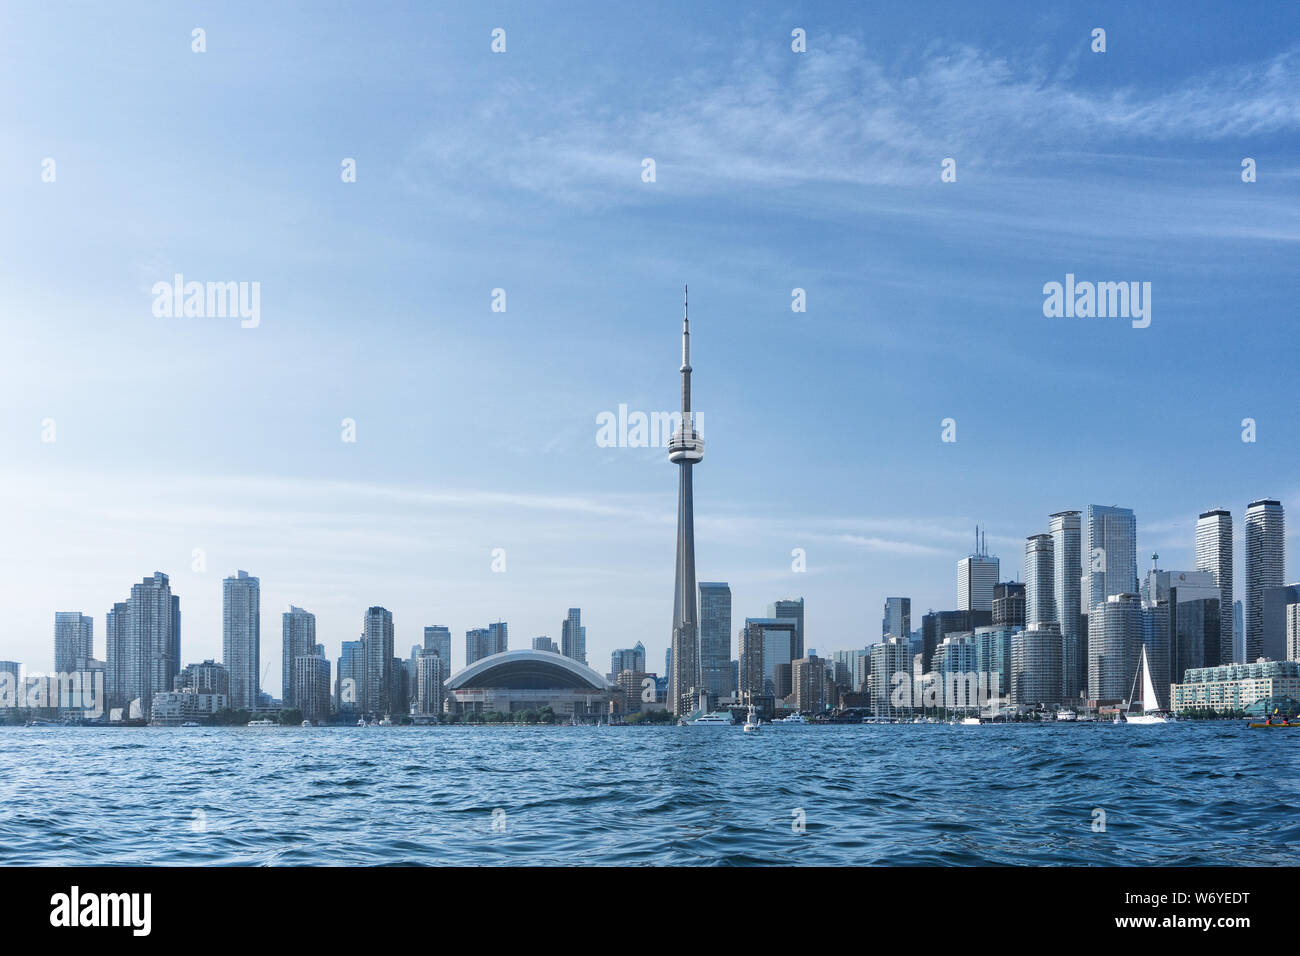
306, 723
386, 721
792, 719
752, 725
717, 718
361, 722
261, 723
970, 721
190, 723
1152, 716
1066, 715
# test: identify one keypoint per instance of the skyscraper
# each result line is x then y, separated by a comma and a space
715, 638
573, 636
123, 679
627, 659
1214, 554
1040, 574
685, 449
897, 621
1008, 604
297, 640
241, 638
1110, 566
74, 641
1265, 566
377, 656
1114, 646
481, 642
1066, 530
351, 678
437, 638
143, 644
311, 690
977, 574
790, 609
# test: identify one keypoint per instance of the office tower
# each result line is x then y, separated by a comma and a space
399, 692
1265, 566
1178, 625
74, 641
11, 678
808, 680
545, 644
1114, 646
779, 637
1110, 566
897, 621
437, 638
1036, 666
351, 679
144, 638
627, 659
1197, 637
1293, 632
207, 677
668, 663
297, 640
686, 450
481, 642
1274, 602
241, 638
790, 609
429, 688
751, 665
573, 636
1040, 580
1160, 638
311, 689
1066, 530
376, 697
1214, 554
1009, 604
715, 638
977, 573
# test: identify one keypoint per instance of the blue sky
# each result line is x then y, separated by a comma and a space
522, 171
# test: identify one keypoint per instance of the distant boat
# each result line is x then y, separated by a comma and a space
1066, 715
306, 723
361, 722
971, 721
264, 722
386, 721
1152, 716
190, 723
717, 718
752, 725
792, 719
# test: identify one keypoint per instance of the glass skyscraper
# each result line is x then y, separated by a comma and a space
1040, 590
897, 621
715, 638
241, 638
1214, 554
297, 640
1066, 530
1110, 566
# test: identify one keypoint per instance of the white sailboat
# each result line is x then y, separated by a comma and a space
752, 724
1150, 702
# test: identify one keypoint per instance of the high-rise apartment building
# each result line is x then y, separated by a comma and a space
297, 640
1110, 565
74, 641
897, 621
241, 638
377, 661
1265, 566
1040, 587
1066, 530
1214, 554
573, 636
715, 638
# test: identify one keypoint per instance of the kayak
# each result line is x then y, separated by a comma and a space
1271, 726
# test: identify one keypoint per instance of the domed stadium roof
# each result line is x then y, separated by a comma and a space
528, 670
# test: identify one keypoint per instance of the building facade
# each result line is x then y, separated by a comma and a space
715, 639
1265, 566
1214, 554
241, 638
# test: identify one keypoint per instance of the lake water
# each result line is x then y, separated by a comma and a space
1190, 793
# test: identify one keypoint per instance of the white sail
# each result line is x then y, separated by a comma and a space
1149, 699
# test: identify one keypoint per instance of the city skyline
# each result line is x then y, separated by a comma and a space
197, 447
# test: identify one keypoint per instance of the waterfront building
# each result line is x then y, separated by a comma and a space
935, 625
172, 708
241, 637
1036, 678
206, 677
751, 667
74, 641
1066, 530
123, 676
891, 670
297, 640
1265, 566
1292, 633
430, 692
1214, 554
530, 680
351, 679
790, 609
311, 691
1235, 687
715, 639
144, 644
993, 646
376, 696
1114, 646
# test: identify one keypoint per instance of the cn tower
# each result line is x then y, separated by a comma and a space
685, 448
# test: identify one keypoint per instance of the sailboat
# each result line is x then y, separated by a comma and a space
1152, 715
